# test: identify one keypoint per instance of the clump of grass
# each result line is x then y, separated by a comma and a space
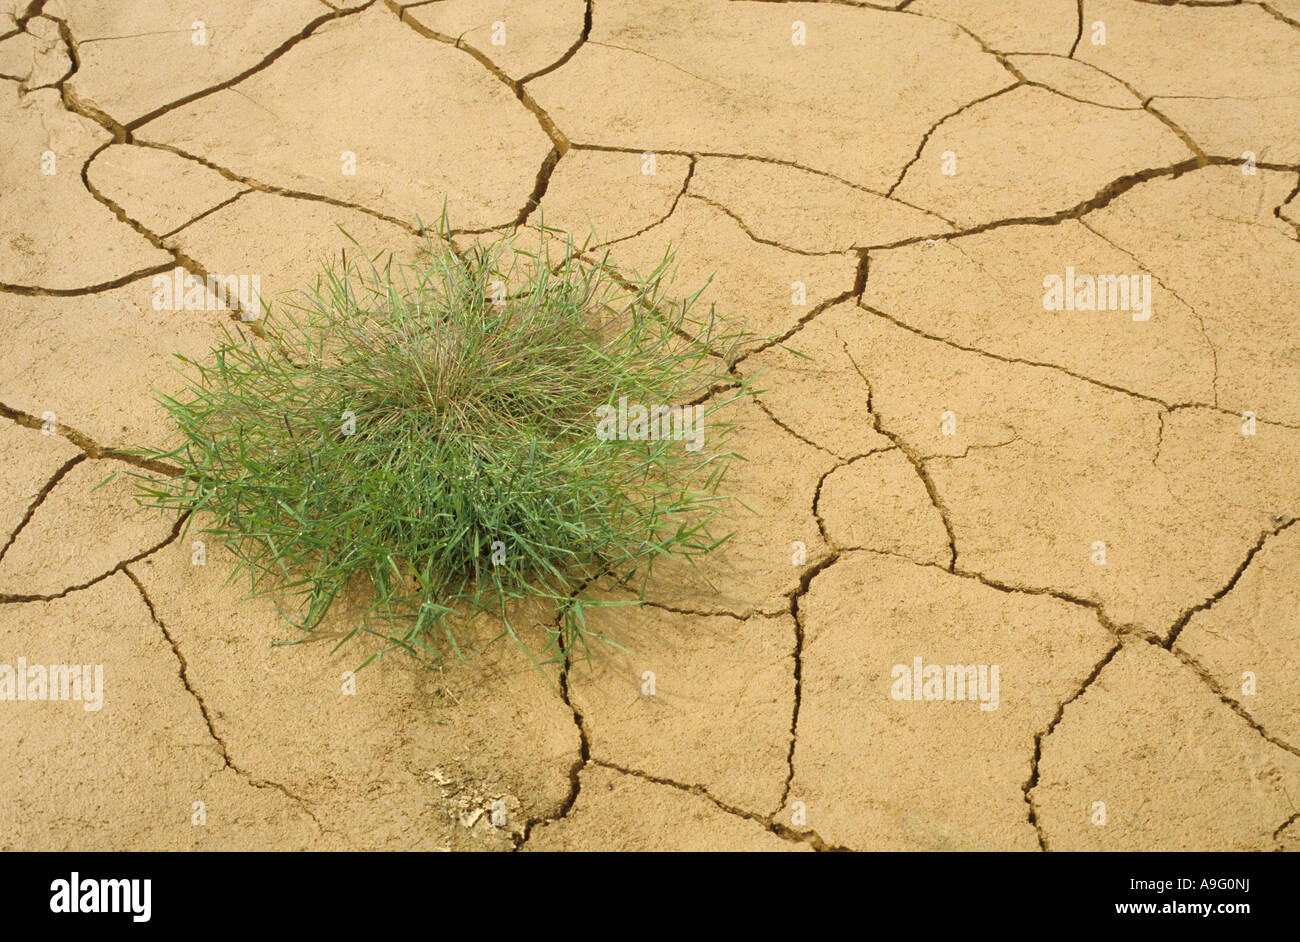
429, 427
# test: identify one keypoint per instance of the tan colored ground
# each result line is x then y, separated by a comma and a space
931, 483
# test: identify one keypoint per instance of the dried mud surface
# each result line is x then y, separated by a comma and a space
936, 460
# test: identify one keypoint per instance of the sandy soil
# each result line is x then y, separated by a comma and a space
1099, 505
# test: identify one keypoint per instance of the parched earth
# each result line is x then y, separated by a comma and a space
1089, 498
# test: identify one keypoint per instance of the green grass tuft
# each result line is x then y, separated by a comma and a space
404, 421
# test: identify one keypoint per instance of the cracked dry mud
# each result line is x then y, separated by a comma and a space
930, 479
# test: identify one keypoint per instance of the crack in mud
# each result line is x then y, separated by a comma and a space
1095, 607
205, 214
1107, 194
39, 499
37, 291
809, 837
1041, 364
805, 580
965, 452
806, 319
584, 751
1032, 782
1277, 14
121, 134
1201, 157
585, 757
1291, 197
775, 421
918, 465
686, 182
817, 496
87, 445
1103, 197
1183, 657
706, 613
274, 190
754, 237
227, 761
559, 140
9, 598
570, 53
1232, 704
1214, 351
1181, 622
925, 139
270, 59
757, 158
